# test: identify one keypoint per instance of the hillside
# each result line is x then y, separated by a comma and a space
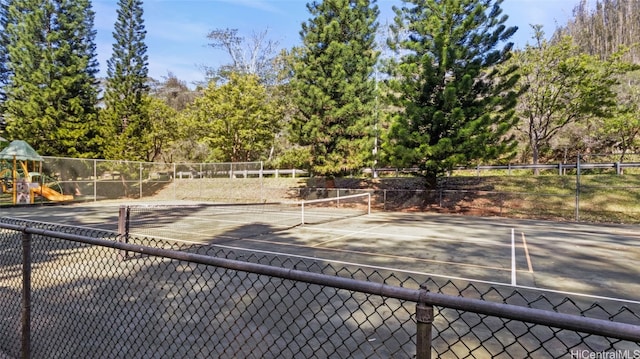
597, 198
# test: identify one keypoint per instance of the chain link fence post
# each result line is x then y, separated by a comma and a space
424, 319
577, 213
123, 228
26, 295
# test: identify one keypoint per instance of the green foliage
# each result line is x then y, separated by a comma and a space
456, 107
164, 128
621, 131
333, 85
237, 120
293, 157
4, 56
126, 118
51, 89
169, 98
562, 87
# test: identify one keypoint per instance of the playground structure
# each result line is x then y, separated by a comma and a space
21, 175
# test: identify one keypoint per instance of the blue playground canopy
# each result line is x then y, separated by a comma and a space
20, 150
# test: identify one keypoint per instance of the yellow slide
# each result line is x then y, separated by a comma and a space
50, 194
5, 174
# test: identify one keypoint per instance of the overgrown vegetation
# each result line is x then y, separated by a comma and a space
604, 198
454, 93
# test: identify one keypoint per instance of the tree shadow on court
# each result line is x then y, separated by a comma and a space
571, 257
90, 302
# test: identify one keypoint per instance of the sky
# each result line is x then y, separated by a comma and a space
177, 29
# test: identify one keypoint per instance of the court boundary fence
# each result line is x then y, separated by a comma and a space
426, 303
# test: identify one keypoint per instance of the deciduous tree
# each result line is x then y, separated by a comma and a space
562, 87
164, 129
253, 56
236, 120
620, 133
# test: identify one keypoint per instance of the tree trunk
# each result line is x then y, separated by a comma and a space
535, 154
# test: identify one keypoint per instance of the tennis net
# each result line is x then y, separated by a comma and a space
202, 221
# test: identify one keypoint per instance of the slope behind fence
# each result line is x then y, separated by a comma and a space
600, 196
70, 292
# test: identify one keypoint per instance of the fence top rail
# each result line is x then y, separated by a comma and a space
599, 327
517, 166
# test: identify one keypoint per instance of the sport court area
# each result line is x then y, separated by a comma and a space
578, 260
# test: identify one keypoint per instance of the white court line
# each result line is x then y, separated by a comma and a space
513, 257
388, 268
427, 274
373, 254
409, 236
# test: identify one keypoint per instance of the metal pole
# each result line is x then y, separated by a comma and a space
262, 194
95, 180
26, 295
424, 318
578, 188
384, 199
124, 214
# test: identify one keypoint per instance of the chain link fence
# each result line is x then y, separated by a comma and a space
85, 293
93, 180
592, 194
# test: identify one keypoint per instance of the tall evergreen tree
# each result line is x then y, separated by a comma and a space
51, 89
334, 85
455, 107
4, 71
126, 115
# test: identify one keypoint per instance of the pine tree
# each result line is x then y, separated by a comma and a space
51, 89
76, 70
455, 108
24, 107
334, 86
126, 115
4, 71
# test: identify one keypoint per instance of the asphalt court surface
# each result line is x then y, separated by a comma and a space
597, 260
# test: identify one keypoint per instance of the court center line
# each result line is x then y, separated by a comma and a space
526, 253
346, 235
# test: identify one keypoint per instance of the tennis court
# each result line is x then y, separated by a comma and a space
575, 259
